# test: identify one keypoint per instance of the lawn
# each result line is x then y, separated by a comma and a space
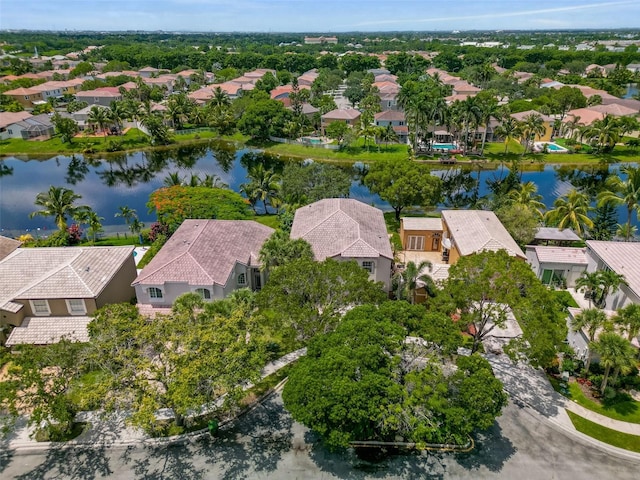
269, 220
355, 153
624, 410
604, 434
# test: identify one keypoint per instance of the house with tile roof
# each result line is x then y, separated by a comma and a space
622, 258
209, 257
456, 234
397, 121
100, 96
547, 121
25, 126
45, 292
27, 97
7, 245
557, 266
350, 116
345, 229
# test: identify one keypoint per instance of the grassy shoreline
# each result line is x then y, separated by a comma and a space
134, 141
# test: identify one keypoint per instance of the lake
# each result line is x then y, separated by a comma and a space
632, 89
113, 181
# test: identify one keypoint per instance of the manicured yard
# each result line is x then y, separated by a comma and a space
355, 153
606, 435
625, 411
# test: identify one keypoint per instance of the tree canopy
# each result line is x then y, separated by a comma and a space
365, 382
403, 184
177, 203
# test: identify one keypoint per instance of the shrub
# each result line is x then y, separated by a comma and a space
157, 229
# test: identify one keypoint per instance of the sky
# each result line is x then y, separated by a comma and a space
324, 16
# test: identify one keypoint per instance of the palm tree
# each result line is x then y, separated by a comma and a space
57, 202
489, 110
95, 225
470, 111
117, 112
626, 231
571, 211
264, 185
509, 129
610, 282
126, 213
629, 319
212, 181
623, 192
591, 283
408, 280
173, 179
98, 116
615, 353
532, 126
590, 320
220, 98
526, 194
604, 134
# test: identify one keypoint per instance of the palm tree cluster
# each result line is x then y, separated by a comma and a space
263, 186
599, 285
605, 133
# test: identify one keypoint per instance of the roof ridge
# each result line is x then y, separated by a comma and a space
48, 274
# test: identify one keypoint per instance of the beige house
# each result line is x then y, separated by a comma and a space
457, 234
345, 229
547, 122
350, 116
47, 293
209, 257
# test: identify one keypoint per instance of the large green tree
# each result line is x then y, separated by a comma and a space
302, 184
177, 203
615, 353
179, 361
310, 297
403, 184
486, 287
280, 249
366, 382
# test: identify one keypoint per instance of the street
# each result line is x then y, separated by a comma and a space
267, 443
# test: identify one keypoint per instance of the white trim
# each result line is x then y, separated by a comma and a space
76, 312
369, 266
242, 276
35, 311
155, 298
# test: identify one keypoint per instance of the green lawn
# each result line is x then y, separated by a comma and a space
624, 410
355, 153
269, 220
604, 434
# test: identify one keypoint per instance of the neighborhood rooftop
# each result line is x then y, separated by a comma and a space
556, 234
46, 330
354, 229
569, 255
477, 230
621, 257
204, 252
49, 273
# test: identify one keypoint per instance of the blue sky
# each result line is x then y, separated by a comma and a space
317, 15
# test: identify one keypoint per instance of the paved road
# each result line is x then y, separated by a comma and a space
266, 443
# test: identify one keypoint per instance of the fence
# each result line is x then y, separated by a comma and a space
187, 131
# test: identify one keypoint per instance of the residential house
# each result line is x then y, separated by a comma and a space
547, 122
397, 121
349, 116
556, 236
457, 234
48, 293
557, 266
148, 72
463, 87
100, 96
209, 257
27, 97
634, 67
307, 78
624, 259
81, 117
28, 126
345, 229
583, 116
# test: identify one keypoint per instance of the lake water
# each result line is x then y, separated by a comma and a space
632, 89
113, 181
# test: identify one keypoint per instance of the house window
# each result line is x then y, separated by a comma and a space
155, 292
416, 242
401, 124
76, 306
40, 307
368, 266
242, 279
205, 293
10, 132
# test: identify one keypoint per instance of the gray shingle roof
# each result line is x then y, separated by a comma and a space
65, 272
556, 234
342, 227
477, 230
622, 257
204, 252
46, 330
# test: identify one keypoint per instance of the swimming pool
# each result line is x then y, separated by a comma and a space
444, 146
551, 147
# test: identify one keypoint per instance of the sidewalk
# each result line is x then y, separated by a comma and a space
111, 430
531, 387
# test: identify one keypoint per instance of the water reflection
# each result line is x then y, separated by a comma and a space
128, 179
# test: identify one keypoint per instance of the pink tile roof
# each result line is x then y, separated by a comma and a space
47, 330
390, 116
338, 114
614, 109
520, 116
342, 227
571, 255
204, 252
587, 115
7, 118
